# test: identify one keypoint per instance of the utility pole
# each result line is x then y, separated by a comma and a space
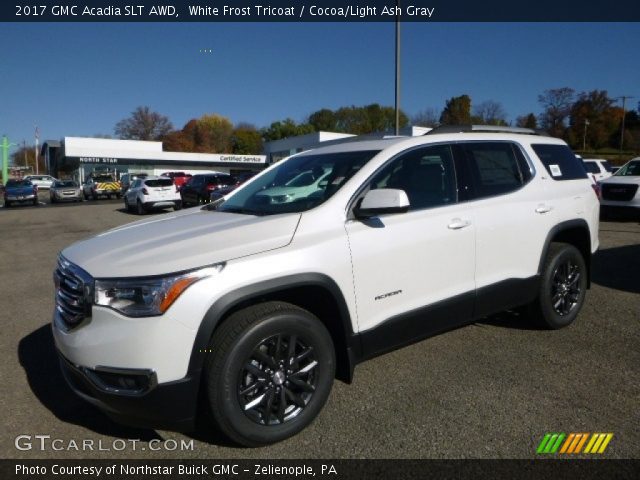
397, 129
24, 149
624, 113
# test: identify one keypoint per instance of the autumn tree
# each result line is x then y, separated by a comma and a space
246, 140
428, 117
602, 120
489, 113
211, 133
143, 124
557, 103
527, 121
457, 111
323, 120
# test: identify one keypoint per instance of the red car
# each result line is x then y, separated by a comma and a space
179, 178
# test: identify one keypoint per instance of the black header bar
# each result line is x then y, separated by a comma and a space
318, 11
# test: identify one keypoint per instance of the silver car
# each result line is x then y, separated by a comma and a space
62, 190
41, 181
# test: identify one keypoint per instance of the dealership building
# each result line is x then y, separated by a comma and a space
78, 157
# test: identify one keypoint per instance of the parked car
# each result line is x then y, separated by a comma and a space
63, 190
222, 192
248, 312
20, 191
152, 192
126, 179
199, 187
101, 185
620, 191
41, 181
179, 178
599, 168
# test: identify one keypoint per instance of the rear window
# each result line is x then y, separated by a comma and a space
560, 162
103, 178
607, 166
18, 183
591, 167
160, 182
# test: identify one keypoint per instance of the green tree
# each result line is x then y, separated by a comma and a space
323, 120
143, 124
457, 111
246, 140
527, 121
213, 134
556, 103
285, 129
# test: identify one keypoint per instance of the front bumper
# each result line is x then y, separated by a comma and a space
170, 406
20, 198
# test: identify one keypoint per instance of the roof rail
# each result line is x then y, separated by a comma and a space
483, 128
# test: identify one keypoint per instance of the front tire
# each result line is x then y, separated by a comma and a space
269, 374
563, 287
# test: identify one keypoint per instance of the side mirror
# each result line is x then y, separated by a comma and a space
382, 201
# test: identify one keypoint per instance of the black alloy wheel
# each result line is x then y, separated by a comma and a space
278, 380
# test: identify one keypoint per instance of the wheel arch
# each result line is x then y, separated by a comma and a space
574, 232
314, 292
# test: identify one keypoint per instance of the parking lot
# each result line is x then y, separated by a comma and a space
489, 390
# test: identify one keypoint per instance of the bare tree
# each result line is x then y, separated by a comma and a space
429, 117
143, 124
489, 113
557, 104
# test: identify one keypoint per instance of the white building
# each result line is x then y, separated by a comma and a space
76, 157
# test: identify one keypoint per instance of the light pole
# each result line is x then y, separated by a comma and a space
624, 101
397, 127
584, 137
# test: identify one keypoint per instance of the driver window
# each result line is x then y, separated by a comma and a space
426, 175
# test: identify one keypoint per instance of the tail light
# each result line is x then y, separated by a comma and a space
597, 189
145, 191
211, 187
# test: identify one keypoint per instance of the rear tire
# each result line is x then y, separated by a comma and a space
563, 287
269, 374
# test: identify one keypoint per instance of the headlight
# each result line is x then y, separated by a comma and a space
150, 296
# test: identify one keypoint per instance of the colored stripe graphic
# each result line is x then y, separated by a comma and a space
573, 443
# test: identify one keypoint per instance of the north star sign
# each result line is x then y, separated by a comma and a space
98, 160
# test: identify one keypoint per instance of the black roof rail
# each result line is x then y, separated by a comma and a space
484, 129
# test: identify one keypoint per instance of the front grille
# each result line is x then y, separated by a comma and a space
618, 192
74, 289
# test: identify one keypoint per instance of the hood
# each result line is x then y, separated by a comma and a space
28, 190
184, 240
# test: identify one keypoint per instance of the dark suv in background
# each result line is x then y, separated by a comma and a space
198, 189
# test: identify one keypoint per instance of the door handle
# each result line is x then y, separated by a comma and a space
457, 224
544, 208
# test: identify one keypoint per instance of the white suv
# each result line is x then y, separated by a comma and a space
152, 192
621, 191
598, 167
249, 310
43, 182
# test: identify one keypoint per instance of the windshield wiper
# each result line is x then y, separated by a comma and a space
244, 211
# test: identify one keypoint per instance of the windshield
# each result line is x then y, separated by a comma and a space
18, 183
66, 184
297, 184
631, 169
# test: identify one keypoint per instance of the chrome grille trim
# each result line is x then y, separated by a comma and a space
74, 294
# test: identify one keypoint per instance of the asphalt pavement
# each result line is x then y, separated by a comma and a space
489, 390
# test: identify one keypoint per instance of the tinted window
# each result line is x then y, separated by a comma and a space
66, 184
495, 168
591, 167
607, 166
560, 162
426, 175
160, 182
